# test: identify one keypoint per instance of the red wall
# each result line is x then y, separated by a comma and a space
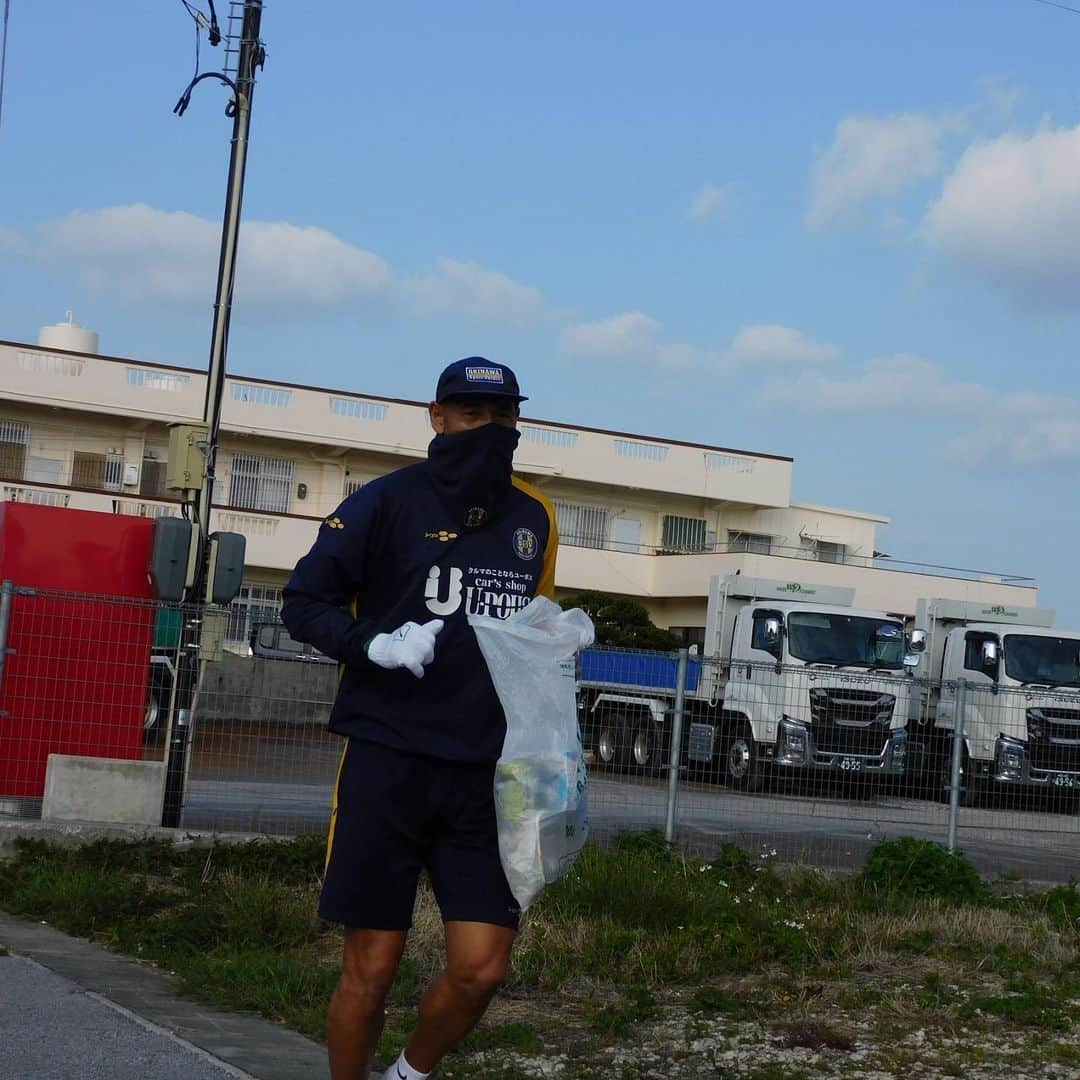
76, 680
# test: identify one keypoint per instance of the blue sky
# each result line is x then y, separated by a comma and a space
845, 232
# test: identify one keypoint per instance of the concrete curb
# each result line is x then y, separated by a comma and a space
250, 1044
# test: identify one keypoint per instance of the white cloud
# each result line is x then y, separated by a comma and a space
465, 288
170, 258
891, 383
629, 338
1010, 212
768, 343
875, 156
711, 203
146, 254
981, 424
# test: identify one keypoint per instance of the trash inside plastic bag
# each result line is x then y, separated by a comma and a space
540, 781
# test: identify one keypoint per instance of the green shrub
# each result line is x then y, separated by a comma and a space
924, 869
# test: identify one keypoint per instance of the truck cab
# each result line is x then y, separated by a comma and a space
792, 676
1020, 697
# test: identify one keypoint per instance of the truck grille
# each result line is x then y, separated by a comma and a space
1054, 739
851, 721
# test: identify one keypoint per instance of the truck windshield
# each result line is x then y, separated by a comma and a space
1031, 658
852, 640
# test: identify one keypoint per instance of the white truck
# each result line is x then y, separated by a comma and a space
1021, 699
792, 675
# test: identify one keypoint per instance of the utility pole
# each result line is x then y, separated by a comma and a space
250, 56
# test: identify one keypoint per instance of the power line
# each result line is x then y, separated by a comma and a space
1062, 7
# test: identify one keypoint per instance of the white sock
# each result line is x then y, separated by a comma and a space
402, 1070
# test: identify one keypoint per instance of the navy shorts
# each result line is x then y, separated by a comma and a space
395, 814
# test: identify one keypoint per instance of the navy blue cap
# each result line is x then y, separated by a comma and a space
476, 377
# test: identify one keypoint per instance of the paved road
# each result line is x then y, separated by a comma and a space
819, 827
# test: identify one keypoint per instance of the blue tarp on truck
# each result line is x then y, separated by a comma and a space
654, 671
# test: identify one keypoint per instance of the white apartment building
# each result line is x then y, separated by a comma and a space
641, 516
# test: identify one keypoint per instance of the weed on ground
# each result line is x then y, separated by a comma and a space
641, 962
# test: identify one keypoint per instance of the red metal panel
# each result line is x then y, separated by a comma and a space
76, 679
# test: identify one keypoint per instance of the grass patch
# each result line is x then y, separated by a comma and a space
636, 933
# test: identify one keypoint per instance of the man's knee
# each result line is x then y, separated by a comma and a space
478, 977
367, 972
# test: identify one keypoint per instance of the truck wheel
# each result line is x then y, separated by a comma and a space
152, 718
970, 789
611, 741
741, 762
643, 749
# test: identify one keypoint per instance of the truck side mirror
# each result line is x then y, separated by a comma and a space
917, 644
772, 633
990, 657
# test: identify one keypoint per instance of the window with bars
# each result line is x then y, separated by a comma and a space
255, 604
641, 451
352, 485
548, 436
729, 461
361, 410
752, 543
99, 472
260, 395
582, 526
152, 477
682, 533
157, 380
14, 439
261, 483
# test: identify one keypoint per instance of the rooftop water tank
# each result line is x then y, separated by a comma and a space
68, 335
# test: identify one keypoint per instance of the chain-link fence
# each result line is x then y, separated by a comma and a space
814, 762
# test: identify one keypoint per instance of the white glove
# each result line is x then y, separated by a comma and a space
410, 646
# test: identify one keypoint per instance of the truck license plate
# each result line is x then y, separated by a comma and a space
1064, 780
850, 764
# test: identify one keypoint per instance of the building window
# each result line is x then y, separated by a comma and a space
829, 551
157, 380
98, 472
548, 436
261, 483
260, 395
42, 470
729, 461
49, 364
14, 437
362, 410
152, 477
582, 526
352, 485
683, 533
690, 637
752, 543
641, 451
255, 604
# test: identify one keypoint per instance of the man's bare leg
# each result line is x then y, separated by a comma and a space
357, 1007
477, 955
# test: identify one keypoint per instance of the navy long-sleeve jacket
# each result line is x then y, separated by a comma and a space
390, 554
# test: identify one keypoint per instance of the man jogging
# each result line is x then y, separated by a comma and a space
386, 590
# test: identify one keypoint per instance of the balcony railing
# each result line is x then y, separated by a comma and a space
780, 551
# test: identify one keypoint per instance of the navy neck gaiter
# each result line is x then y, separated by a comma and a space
471, 471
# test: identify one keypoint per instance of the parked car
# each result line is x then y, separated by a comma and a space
271, 641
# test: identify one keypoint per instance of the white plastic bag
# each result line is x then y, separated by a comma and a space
540, 779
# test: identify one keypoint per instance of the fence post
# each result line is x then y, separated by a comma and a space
675, 757
957, 759
7, 591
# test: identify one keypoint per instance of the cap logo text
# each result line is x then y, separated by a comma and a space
484, 374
